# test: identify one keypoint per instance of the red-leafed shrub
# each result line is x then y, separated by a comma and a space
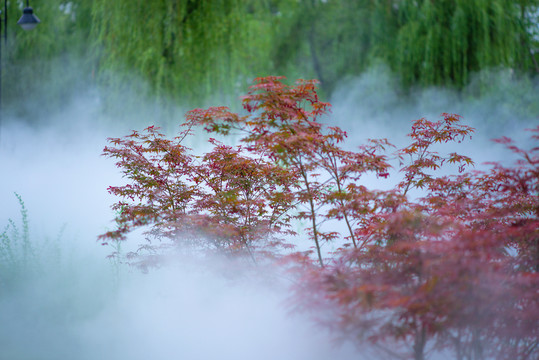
455, 269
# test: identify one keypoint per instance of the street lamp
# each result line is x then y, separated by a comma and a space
28, 21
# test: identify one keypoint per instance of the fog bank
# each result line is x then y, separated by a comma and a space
67, 301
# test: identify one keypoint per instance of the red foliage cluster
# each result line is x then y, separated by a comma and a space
224, 200
456, 269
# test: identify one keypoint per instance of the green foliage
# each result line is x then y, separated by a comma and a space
186, 51
333, 39
19, 256
443, 42
32, 266
424, 42
15, 247
41, 67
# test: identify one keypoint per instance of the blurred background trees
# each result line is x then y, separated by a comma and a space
188, 51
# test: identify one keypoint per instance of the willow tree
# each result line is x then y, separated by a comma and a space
329, 40
183, 49
442, 42
425, 42
188, 50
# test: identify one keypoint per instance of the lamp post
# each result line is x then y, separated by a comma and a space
28, 21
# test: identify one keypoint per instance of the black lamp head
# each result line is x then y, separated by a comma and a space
28, 20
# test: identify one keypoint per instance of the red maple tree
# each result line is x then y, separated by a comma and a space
457, 268
454, 269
